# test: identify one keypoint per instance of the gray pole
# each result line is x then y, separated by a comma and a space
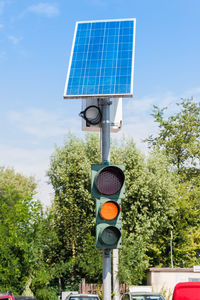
171, 240
116, 284
106, 274
105, 159
105, 130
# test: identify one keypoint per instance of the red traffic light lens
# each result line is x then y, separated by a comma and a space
110, 180
109, 210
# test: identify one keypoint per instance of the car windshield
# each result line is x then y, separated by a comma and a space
147, 297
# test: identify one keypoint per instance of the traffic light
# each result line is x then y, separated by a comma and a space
108, 188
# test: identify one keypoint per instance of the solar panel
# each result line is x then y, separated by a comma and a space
102, 57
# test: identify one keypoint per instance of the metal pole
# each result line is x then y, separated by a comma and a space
105, 130
106, 274
171, 249
105, 159
116, 285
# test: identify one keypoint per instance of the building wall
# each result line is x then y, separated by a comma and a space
164, 281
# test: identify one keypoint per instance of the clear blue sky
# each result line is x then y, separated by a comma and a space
35, 45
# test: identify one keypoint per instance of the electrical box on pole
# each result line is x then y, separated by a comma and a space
89, 113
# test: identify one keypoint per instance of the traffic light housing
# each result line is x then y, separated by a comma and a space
108, 188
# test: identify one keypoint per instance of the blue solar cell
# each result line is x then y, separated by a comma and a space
102, 58
97, 25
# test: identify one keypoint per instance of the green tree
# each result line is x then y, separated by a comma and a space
18, 214
70, 176
179, 137
147, 209
47, 269
186, 226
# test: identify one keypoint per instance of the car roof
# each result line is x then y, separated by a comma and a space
84, 295
144, 293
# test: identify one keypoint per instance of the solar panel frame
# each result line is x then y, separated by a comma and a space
100, 95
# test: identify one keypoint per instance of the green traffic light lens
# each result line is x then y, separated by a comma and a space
110, 235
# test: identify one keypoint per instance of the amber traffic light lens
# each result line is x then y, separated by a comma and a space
110, 180
109, 210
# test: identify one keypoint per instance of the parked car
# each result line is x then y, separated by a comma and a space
187, 291
7, 296
10, 296
74, 296
142, 296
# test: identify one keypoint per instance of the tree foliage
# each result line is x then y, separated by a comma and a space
186, 226
18, 215
147, 209
53, 251
74, 209
179, 137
